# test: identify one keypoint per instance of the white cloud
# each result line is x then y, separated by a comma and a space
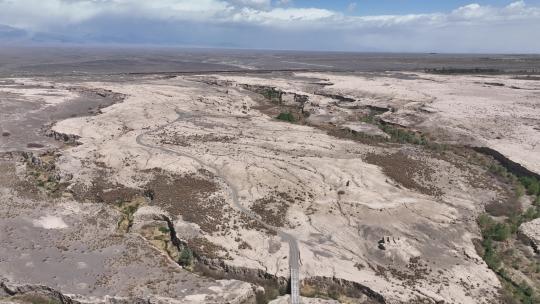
285, 16
258, 4
516, 5
478, 13
39, 14
283, 2
223, 19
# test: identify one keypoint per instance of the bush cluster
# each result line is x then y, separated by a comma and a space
492, 230
531, 184
186, 257
404, 136
525, 184
272, 94
286, 117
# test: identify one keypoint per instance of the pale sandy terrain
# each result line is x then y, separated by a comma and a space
498, 112
338, 206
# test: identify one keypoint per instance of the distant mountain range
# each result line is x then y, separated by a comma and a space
8, 33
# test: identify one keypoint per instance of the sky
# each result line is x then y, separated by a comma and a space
449, 26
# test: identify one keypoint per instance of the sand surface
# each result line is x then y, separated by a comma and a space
338, 205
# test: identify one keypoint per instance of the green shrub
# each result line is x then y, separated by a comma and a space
520, 191
534, 188
164, 230
492, 230
500, 171
272, 94
403, 136
485, 221
531, 214
531, 184
515, 221
286, 117
368, 119
500, 232
491, 257
186, 257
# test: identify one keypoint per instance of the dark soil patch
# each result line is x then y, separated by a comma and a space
273, 208
202, 247
6, 134
34, 145
251, 224
406, 171
415, 272
103, 191
196, 198
185, 141
351, 135
506, 208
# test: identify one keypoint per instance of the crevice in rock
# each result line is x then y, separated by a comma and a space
510, 165
335, 288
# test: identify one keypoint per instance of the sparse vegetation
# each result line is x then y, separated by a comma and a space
403, 136
523, 185
500, 237
186, 257
272, 94
531, 184
286, 116
164, 230
492, 230
128, 210
497, 260
370, 119
42, 172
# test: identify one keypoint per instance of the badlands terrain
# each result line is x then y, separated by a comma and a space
387, 187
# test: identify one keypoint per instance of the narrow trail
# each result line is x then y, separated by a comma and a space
294, 252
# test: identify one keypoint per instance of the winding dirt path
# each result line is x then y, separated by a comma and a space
294, 252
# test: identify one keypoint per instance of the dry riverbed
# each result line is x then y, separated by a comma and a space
376, 220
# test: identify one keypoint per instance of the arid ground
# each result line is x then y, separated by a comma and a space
377, 187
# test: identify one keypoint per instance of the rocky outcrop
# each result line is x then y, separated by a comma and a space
66, 138
530, 232
220, 269
336, 97
111, 99
10, 290
104, 93
211, 267
338, 287
30, 291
